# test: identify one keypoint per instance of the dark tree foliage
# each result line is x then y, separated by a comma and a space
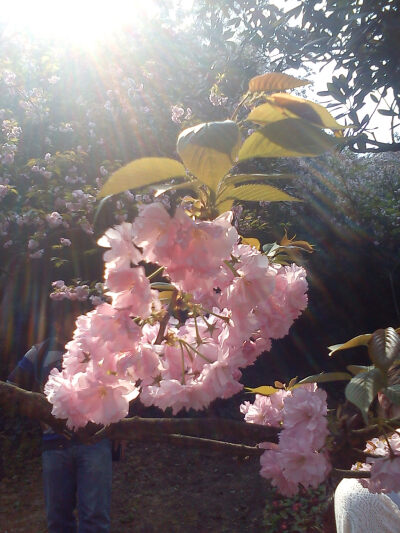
359, 38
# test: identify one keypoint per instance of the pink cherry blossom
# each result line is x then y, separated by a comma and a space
130, 289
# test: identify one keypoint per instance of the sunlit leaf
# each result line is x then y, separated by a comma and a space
257, 193
251, 242
225, 205
289, 243
325, 377
363, 388
238, 179
360, 340
161, 189
265, 390
142, 173
384, 347
302, 108
162, 286
357, 369
275, 81
268, 113
165, 295
209, 150
287, 138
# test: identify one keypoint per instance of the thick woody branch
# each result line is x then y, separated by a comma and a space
201, 432
207, 428
19, 402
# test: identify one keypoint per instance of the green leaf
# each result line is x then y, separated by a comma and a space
357, 369
241, 179
363, 388
142, 173
388, 112
360, 340
224, 206
265, 390
325, 377
384, 347
393, 393
275, 81
287, 138
295, 107
186, 185
209, 150
256, 193
162, 286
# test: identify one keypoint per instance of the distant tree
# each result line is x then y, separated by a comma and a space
360, 39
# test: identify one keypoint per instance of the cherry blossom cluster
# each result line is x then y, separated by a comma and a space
184, 346
384, 466
299, 458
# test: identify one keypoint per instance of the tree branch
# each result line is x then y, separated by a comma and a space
19, 402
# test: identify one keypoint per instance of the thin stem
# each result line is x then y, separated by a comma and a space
231, 268
165, 320
198, 338
183, 363
236, 111
155, 273
196, 351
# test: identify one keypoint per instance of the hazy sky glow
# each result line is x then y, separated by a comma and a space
83, 22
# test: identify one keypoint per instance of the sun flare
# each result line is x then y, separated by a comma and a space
82, 22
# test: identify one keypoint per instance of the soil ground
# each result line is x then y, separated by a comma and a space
156, 488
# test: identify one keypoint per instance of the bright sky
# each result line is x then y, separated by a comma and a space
81, 22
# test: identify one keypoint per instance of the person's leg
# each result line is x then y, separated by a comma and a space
94, 478
59, 490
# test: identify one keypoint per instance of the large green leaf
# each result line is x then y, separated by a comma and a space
209, 150
360, 340
256, 193
142, 173
275, 81
287, 138
237, 179
363, 388
186, 185
325, 377
384, 347
282, 105
225, 205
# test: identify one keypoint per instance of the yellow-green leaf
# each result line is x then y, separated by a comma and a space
360, 340
237, 179
325, 377
275, 81
268, 113
309, 111
256, 193
251, 241
225, 205
209, 150
287, 138
265, 390
142, 173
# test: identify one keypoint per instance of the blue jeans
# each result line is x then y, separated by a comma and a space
78, 476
